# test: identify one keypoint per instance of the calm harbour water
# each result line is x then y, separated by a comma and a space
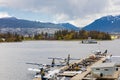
13, 56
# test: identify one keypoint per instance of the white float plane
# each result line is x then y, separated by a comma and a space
62, 61
50, 74
41, 66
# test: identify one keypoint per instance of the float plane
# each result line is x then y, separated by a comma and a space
45, 68
65, 61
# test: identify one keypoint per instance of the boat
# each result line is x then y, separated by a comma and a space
89, 41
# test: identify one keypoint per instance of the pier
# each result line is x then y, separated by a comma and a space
88, 62
88, 70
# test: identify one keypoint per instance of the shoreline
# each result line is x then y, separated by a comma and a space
52, 40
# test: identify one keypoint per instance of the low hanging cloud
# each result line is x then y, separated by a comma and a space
78, 12
4, 14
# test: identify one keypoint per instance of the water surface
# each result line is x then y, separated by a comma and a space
13, 56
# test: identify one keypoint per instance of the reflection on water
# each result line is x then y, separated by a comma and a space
13, 56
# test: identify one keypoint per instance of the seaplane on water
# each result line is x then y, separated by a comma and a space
42, 70
45, 67
63, 61
109, 58
45, 70
41, 66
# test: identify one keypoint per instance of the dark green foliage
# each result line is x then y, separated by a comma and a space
9, 37
58, 35
70, 35
38, 37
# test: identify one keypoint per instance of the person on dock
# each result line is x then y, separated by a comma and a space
68, 60
53, 63
42, 72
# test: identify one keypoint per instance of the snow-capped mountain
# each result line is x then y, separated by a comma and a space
105, 24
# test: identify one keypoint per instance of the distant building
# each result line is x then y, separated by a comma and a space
114, 36
104, 70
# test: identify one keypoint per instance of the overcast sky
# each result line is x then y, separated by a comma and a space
77, 12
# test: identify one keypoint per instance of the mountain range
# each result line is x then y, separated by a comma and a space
12, 22
21, 26
109, 24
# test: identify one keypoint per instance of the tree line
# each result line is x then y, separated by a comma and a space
10, 37
73, 35
58, 35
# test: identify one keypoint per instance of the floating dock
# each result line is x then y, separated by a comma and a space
83, 74
88, 70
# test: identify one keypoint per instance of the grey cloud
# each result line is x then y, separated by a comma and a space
116, 2
69, 7
73, 9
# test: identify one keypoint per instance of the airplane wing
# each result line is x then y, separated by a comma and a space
63, 58
47, 65
74, 59
35, 64
56, 58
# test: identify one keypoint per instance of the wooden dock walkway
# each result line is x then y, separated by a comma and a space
66, 67
37, 79
83, 74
